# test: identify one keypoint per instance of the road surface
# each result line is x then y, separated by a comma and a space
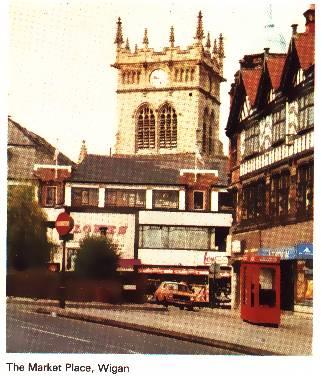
29, 332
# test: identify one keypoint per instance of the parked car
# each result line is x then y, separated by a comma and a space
175, 293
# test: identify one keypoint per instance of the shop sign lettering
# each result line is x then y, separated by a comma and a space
111, 229
209, 258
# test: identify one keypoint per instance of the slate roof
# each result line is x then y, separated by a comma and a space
134, 170
105, 169
25, 149
20, 136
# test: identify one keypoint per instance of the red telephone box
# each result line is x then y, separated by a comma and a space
260, 289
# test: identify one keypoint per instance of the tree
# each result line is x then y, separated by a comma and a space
97, 257
27, 244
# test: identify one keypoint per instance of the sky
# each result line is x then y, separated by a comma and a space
61, 83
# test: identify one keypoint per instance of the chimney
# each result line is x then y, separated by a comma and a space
83, 152
294, 29
310, 19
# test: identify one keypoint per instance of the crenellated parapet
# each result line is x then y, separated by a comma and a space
196, 53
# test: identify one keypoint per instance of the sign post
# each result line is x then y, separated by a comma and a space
64, 224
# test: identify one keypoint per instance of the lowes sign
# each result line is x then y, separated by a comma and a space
299, 251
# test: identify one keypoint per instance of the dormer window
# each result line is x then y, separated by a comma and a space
299, 77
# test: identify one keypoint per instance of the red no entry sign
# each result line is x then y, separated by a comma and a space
64, 224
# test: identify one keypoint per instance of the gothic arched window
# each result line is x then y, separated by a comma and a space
145, 128
167, 127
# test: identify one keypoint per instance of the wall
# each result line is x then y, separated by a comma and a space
185, 218
121, 227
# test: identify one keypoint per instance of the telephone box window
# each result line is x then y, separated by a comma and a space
267, 294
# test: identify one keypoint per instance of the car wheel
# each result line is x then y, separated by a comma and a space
181, 308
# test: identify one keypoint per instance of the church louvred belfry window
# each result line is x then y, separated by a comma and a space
167, 127
145, 128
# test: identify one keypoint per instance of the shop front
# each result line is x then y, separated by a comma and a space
119, 227
296, 263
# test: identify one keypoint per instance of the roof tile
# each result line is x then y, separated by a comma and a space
304, 44
251, 78
275, 66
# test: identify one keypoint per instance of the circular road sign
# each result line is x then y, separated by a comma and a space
64, 224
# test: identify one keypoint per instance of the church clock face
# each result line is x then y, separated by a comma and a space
158, 78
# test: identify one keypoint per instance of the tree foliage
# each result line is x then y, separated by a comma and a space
97, 258
27, 244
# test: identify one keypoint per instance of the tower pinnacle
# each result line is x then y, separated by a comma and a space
199, 30
172, 37
127, 45
119, 34
214, 47
208, 41
145, 40
221, 46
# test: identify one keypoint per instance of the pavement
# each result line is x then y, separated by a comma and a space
221, 328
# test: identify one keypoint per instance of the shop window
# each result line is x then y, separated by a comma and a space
198, 200
84, 196
305, 191
165, 199
304, 282
187, 237
125, 198
278, 126
306, 112
176, 237
267, 294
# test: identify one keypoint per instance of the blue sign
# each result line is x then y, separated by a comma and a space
304, 250
299, 251
285, 253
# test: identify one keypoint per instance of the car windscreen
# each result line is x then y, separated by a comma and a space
183, 288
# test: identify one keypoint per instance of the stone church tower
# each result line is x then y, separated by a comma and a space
169, 100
